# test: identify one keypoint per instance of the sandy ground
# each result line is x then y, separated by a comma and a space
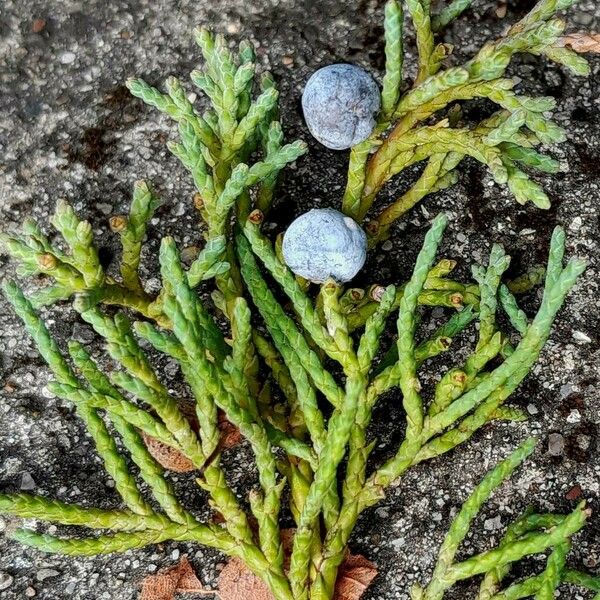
68, 128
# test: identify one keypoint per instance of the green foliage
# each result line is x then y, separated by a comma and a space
298, 374
133, 401
422, 122
216, 148
531, 534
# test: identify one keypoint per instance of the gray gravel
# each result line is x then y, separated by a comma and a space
69, 129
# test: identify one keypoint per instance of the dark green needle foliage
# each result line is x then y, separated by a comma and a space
298, 373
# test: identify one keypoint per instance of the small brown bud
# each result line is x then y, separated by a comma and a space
376, 292
457, 299
356, 294
445, 342
446, 49
47, 262
447, 264
372, 228
118, 223
330, 287
416, 384
459, 377
198, 201
256, 217
574, 493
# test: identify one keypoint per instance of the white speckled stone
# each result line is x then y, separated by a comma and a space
340, 103
324, 243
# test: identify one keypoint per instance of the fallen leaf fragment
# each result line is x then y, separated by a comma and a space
582, 42
355, 576
172, 459
230, 434
168, 457
237, 582
179, 579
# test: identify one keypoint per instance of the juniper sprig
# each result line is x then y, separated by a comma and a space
531, 534
223, 377
297, 373
422, 122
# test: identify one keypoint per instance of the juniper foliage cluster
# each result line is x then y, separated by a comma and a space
530, 534
300, 377
424, 123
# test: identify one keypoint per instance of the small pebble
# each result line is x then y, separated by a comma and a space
43, 574
582, 17
189, 254
532, 409
556, 444
30, 592
574, 416
171, 368
579, 336
104, 208
27, 482
398, 543
6, 580
567, 389
501, 10
493, 524
584, 441
574, 493
70, 588
82, 333
66, 58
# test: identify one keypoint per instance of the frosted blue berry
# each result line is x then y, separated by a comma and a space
324, 243
340, 103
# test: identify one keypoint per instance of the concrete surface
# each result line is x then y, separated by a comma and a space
68, 128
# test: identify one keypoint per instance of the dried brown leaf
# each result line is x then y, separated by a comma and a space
230, 434
179, 579
172, 459
582, 42
237, 582
355, 576
168, 457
